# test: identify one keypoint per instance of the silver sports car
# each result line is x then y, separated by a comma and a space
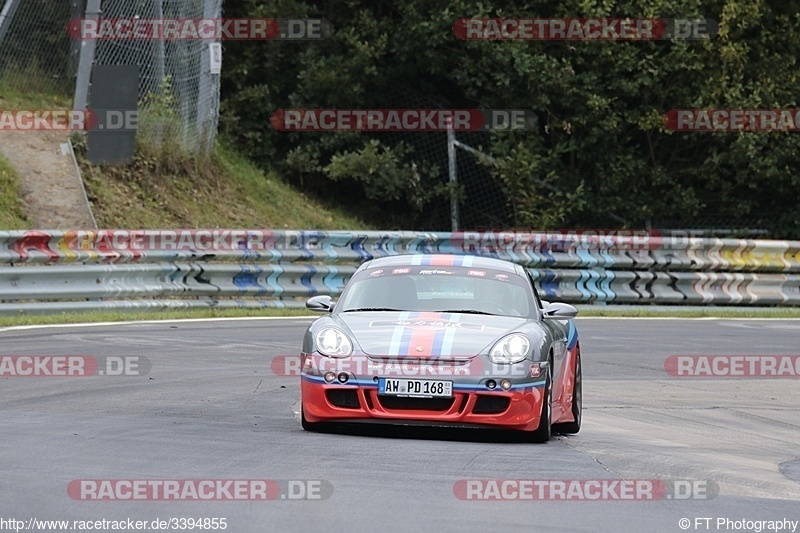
443, 340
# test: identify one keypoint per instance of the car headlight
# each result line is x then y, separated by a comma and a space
510, 349
333, 343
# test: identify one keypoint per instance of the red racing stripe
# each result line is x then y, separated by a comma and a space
423, 336
443, 260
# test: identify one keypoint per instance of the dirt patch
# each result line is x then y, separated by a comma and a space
51, 189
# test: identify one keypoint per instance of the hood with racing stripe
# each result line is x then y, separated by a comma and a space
453, 336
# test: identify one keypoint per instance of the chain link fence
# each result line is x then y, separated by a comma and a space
711, 225
178, 95
36, 53
481, 202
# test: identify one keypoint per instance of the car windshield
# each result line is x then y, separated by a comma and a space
439, 289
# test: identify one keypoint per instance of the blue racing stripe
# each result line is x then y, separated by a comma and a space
364, 383
438, 340
397, 335
482, 387
456, 387
572, 336
447, 342
405, 341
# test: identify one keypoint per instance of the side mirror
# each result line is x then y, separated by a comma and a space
558, 310
322, 304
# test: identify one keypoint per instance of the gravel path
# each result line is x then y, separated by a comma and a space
49, 183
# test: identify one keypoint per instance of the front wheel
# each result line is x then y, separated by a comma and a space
543, 432
570, 428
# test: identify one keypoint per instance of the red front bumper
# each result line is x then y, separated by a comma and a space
466, 408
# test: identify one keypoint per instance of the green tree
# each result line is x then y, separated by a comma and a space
601, 155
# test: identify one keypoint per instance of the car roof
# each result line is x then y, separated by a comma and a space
444, 260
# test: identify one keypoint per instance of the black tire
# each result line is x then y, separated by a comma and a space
570, 428
543, 433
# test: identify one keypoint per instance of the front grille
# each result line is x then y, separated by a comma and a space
464, 402
344, 398
419, 404
368, 398
490, 405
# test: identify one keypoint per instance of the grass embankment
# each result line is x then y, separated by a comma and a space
166, 190
12, 210
12, 98
125, 316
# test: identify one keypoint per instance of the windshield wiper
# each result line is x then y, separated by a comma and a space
370, 309
467, 311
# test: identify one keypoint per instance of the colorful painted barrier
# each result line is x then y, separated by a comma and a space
43, 270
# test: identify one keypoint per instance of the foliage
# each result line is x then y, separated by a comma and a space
601, 156
12, 211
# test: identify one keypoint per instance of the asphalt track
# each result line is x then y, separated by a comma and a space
210, 407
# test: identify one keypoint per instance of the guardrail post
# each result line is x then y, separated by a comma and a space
88, 47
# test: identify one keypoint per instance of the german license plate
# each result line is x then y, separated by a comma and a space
417, 388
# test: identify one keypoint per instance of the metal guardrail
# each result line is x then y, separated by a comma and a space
44, 272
